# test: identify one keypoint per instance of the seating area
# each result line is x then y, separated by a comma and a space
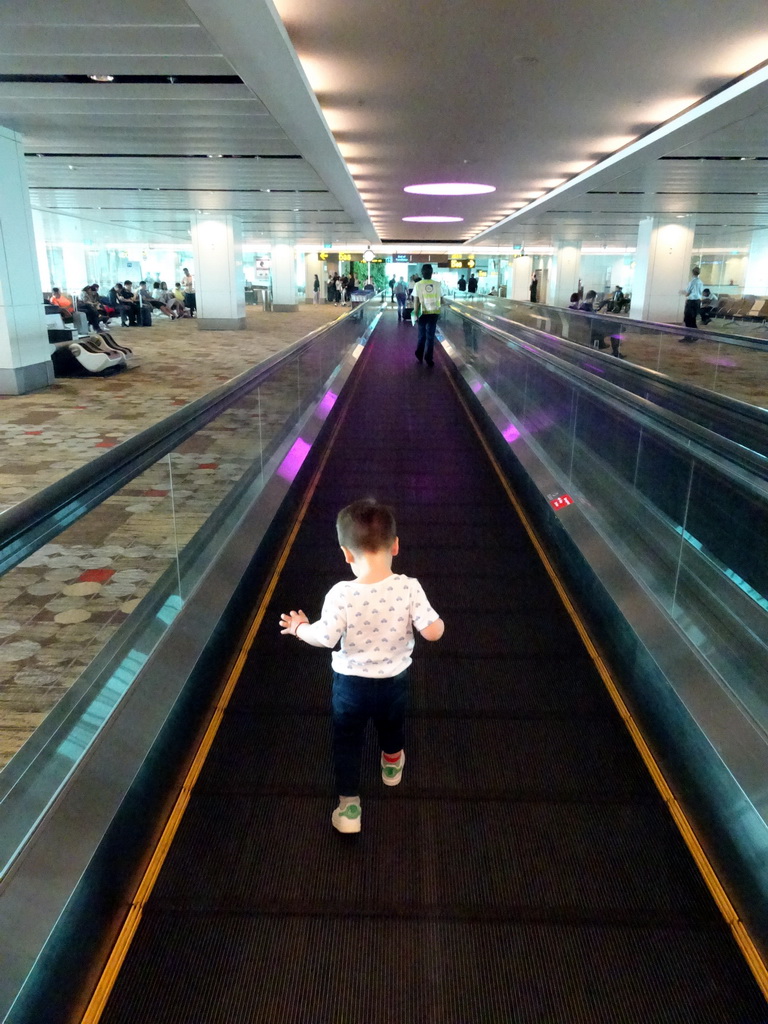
750, 308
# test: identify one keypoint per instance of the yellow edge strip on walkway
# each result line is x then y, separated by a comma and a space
753, 957
109, 975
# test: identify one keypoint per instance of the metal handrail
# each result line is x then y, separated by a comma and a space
748, 468
649, 325
36, 520
750, 420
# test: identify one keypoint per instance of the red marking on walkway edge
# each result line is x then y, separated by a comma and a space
95, 575
561, 501
105, 444
31, 432
208, 465
154, 493
179, 401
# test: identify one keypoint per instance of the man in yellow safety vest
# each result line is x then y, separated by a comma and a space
427, 298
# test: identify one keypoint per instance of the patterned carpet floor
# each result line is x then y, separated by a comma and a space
60, 607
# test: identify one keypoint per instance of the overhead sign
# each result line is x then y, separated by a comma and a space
461, 264
322, 255
401, 258
345, 255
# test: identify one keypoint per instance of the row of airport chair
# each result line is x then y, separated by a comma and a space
742, 307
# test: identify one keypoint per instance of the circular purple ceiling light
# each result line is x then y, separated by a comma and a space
450, 188
434, 220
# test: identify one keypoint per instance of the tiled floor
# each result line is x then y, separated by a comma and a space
61, 605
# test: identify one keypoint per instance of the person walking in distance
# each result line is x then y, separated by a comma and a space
472, 283
693, 294
188, 284
316, 290
401, 294
427, 298
373, 616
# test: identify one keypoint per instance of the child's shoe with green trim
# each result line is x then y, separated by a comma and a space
346, 817
392, 771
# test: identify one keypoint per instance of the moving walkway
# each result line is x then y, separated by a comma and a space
527, 868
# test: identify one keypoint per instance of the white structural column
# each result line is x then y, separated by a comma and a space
662, 269
564, 277
217, 241
522, 271
756, 278
284, 279
25, 354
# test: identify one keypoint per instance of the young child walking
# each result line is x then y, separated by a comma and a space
373, 616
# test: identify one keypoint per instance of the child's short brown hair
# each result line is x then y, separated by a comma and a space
366, 525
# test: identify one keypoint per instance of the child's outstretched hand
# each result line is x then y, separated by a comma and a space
290, 621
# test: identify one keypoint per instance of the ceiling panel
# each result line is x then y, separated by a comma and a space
520, 95
42, 13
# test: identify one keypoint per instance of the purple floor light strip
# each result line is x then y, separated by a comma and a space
294, 460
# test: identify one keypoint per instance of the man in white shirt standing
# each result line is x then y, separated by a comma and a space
693, 295
427, 297
188, 285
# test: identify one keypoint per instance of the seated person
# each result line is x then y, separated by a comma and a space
369, 286
574, 301
616, 300
114, 300
599, 329
87, 305
708, 306
146, 296
98, 304
175, 305
158, 301
129, 304
64, 302
103, 301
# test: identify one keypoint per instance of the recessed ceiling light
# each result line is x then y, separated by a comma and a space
433, 220
102, 78
450, 188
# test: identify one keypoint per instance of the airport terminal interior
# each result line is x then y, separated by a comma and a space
503, 270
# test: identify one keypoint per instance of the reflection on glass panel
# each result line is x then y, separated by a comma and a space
278, 410
692, 527
80, 617
61, 606
714, 361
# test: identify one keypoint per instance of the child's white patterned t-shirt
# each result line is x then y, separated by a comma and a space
374, 622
